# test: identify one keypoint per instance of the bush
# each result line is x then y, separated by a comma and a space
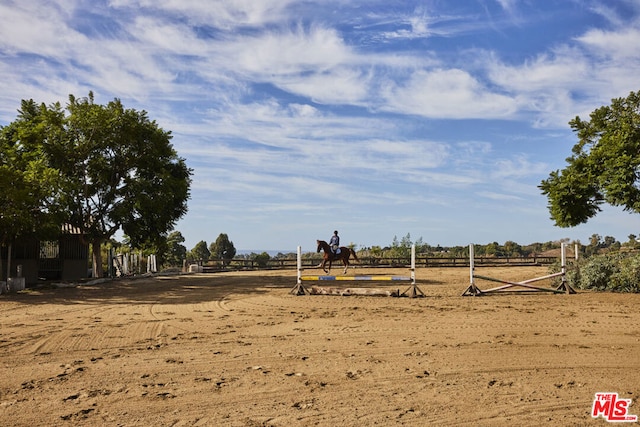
617, 272
262, 260
596, 272
627, 278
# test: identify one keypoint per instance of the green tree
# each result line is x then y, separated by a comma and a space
493, 249
610, 242
402, 248
595, 243
200, 251
262, 259
376, 251
534, 248
30, 187
222, 248
117, 169
604, 167
511, 248
176, 251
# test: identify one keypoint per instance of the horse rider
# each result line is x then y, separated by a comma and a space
334, 242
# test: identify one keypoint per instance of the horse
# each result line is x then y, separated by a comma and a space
329, 256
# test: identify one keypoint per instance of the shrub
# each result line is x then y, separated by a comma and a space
263, 259
596, 272
627, 278
614, 272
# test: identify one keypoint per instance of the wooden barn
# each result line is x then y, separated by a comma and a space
65, 259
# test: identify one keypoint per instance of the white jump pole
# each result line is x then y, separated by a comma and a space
564, 286
413, 264
473, 289
563, 263
471, 257
299, 265
299, 289
413, 290
471, 264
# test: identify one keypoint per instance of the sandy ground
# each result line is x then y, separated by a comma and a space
237, 349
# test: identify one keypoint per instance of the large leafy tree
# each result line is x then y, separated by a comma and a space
604, 166
222, 248
117, 169
176, 251
29, 186
200, 251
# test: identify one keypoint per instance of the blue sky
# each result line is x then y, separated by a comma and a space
432, 118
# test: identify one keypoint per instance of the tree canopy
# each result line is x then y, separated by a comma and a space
176, 251
200, 251
113, 169
604, 166
222, 248
29, 185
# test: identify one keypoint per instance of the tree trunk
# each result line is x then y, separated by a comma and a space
98, 272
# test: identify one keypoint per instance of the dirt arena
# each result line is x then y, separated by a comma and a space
237, 349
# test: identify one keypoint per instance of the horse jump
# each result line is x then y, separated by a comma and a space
412, 292
473, 289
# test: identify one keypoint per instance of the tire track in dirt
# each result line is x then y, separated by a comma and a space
82, 333
11, 336
40, 339
106, 328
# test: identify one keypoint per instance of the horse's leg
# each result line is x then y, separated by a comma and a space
345, 260
324, 263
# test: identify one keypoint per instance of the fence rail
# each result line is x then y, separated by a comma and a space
370, 262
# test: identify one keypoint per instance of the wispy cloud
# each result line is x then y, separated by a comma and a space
452, 94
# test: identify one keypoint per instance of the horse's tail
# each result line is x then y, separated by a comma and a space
353, 252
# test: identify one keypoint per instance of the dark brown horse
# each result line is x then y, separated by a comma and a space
329, 256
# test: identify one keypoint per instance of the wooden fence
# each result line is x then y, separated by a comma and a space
424, 262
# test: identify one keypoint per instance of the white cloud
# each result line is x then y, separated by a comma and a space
564, 69
508, 5
498, 196
620, 45
447, 93
517, 167
156, 35
608, 13
343, 85
223, 14
289, 52
30, 27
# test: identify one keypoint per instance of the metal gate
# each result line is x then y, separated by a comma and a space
50, 264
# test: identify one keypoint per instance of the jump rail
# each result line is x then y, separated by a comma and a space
413, 291
474, 290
